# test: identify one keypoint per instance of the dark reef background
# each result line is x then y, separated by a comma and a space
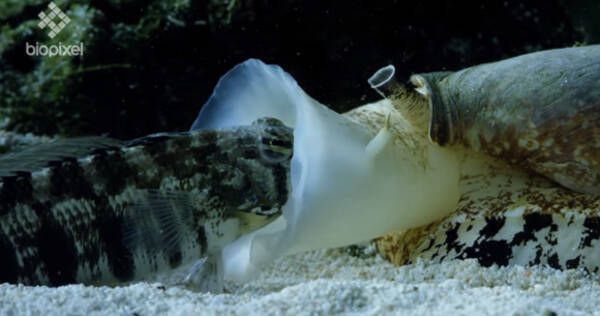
150, 65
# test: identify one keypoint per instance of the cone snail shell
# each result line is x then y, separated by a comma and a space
540, 111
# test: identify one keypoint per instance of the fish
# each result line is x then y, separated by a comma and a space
101, 211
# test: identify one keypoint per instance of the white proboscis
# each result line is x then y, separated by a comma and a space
346, 186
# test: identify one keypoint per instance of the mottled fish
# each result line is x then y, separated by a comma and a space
101, 211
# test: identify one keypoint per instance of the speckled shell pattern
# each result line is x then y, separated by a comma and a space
507, 217
540, 111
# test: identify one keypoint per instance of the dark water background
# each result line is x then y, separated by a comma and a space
150, 65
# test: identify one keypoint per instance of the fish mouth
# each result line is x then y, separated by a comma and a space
250, 221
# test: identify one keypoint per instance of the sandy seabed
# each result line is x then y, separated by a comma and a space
333, 282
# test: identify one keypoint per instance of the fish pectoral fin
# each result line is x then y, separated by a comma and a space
206, 275
380, 141
157, 221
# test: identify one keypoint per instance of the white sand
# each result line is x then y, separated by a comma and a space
326, 282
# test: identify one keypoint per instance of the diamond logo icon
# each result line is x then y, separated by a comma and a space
55, 20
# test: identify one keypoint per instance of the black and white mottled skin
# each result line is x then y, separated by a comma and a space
507, 217
112, 212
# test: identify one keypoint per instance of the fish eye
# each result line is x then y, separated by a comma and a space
275, 151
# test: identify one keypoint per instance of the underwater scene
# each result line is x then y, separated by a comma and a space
181, 157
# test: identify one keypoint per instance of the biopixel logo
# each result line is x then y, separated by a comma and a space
47, 20
55, 20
